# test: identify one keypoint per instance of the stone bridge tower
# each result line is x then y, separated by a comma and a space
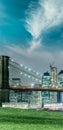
4, 79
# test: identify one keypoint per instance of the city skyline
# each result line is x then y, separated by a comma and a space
31, 32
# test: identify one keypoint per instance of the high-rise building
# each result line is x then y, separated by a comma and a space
46, 79
60, 78
60, 84
53, 73
45, 83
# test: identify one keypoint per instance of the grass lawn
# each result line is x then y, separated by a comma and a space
18, 119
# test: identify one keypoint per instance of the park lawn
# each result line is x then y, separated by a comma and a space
19, 119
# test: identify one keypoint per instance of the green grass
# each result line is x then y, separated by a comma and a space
18, 119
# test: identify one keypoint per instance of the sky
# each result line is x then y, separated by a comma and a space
31, 32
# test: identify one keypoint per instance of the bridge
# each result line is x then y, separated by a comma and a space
19, 78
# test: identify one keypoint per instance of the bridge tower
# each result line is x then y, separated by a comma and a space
4, 79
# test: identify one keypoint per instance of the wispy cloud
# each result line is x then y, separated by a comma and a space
47, 14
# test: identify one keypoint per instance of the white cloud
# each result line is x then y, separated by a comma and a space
47, 14
53, 11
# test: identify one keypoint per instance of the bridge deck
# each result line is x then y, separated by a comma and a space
25, 88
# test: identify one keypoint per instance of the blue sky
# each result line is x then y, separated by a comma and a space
31, 32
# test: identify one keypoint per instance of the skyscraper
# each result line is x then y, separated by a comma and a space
53, 71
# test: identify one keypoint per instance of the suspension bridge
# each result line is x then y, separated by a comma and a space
29, 79
18, 78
